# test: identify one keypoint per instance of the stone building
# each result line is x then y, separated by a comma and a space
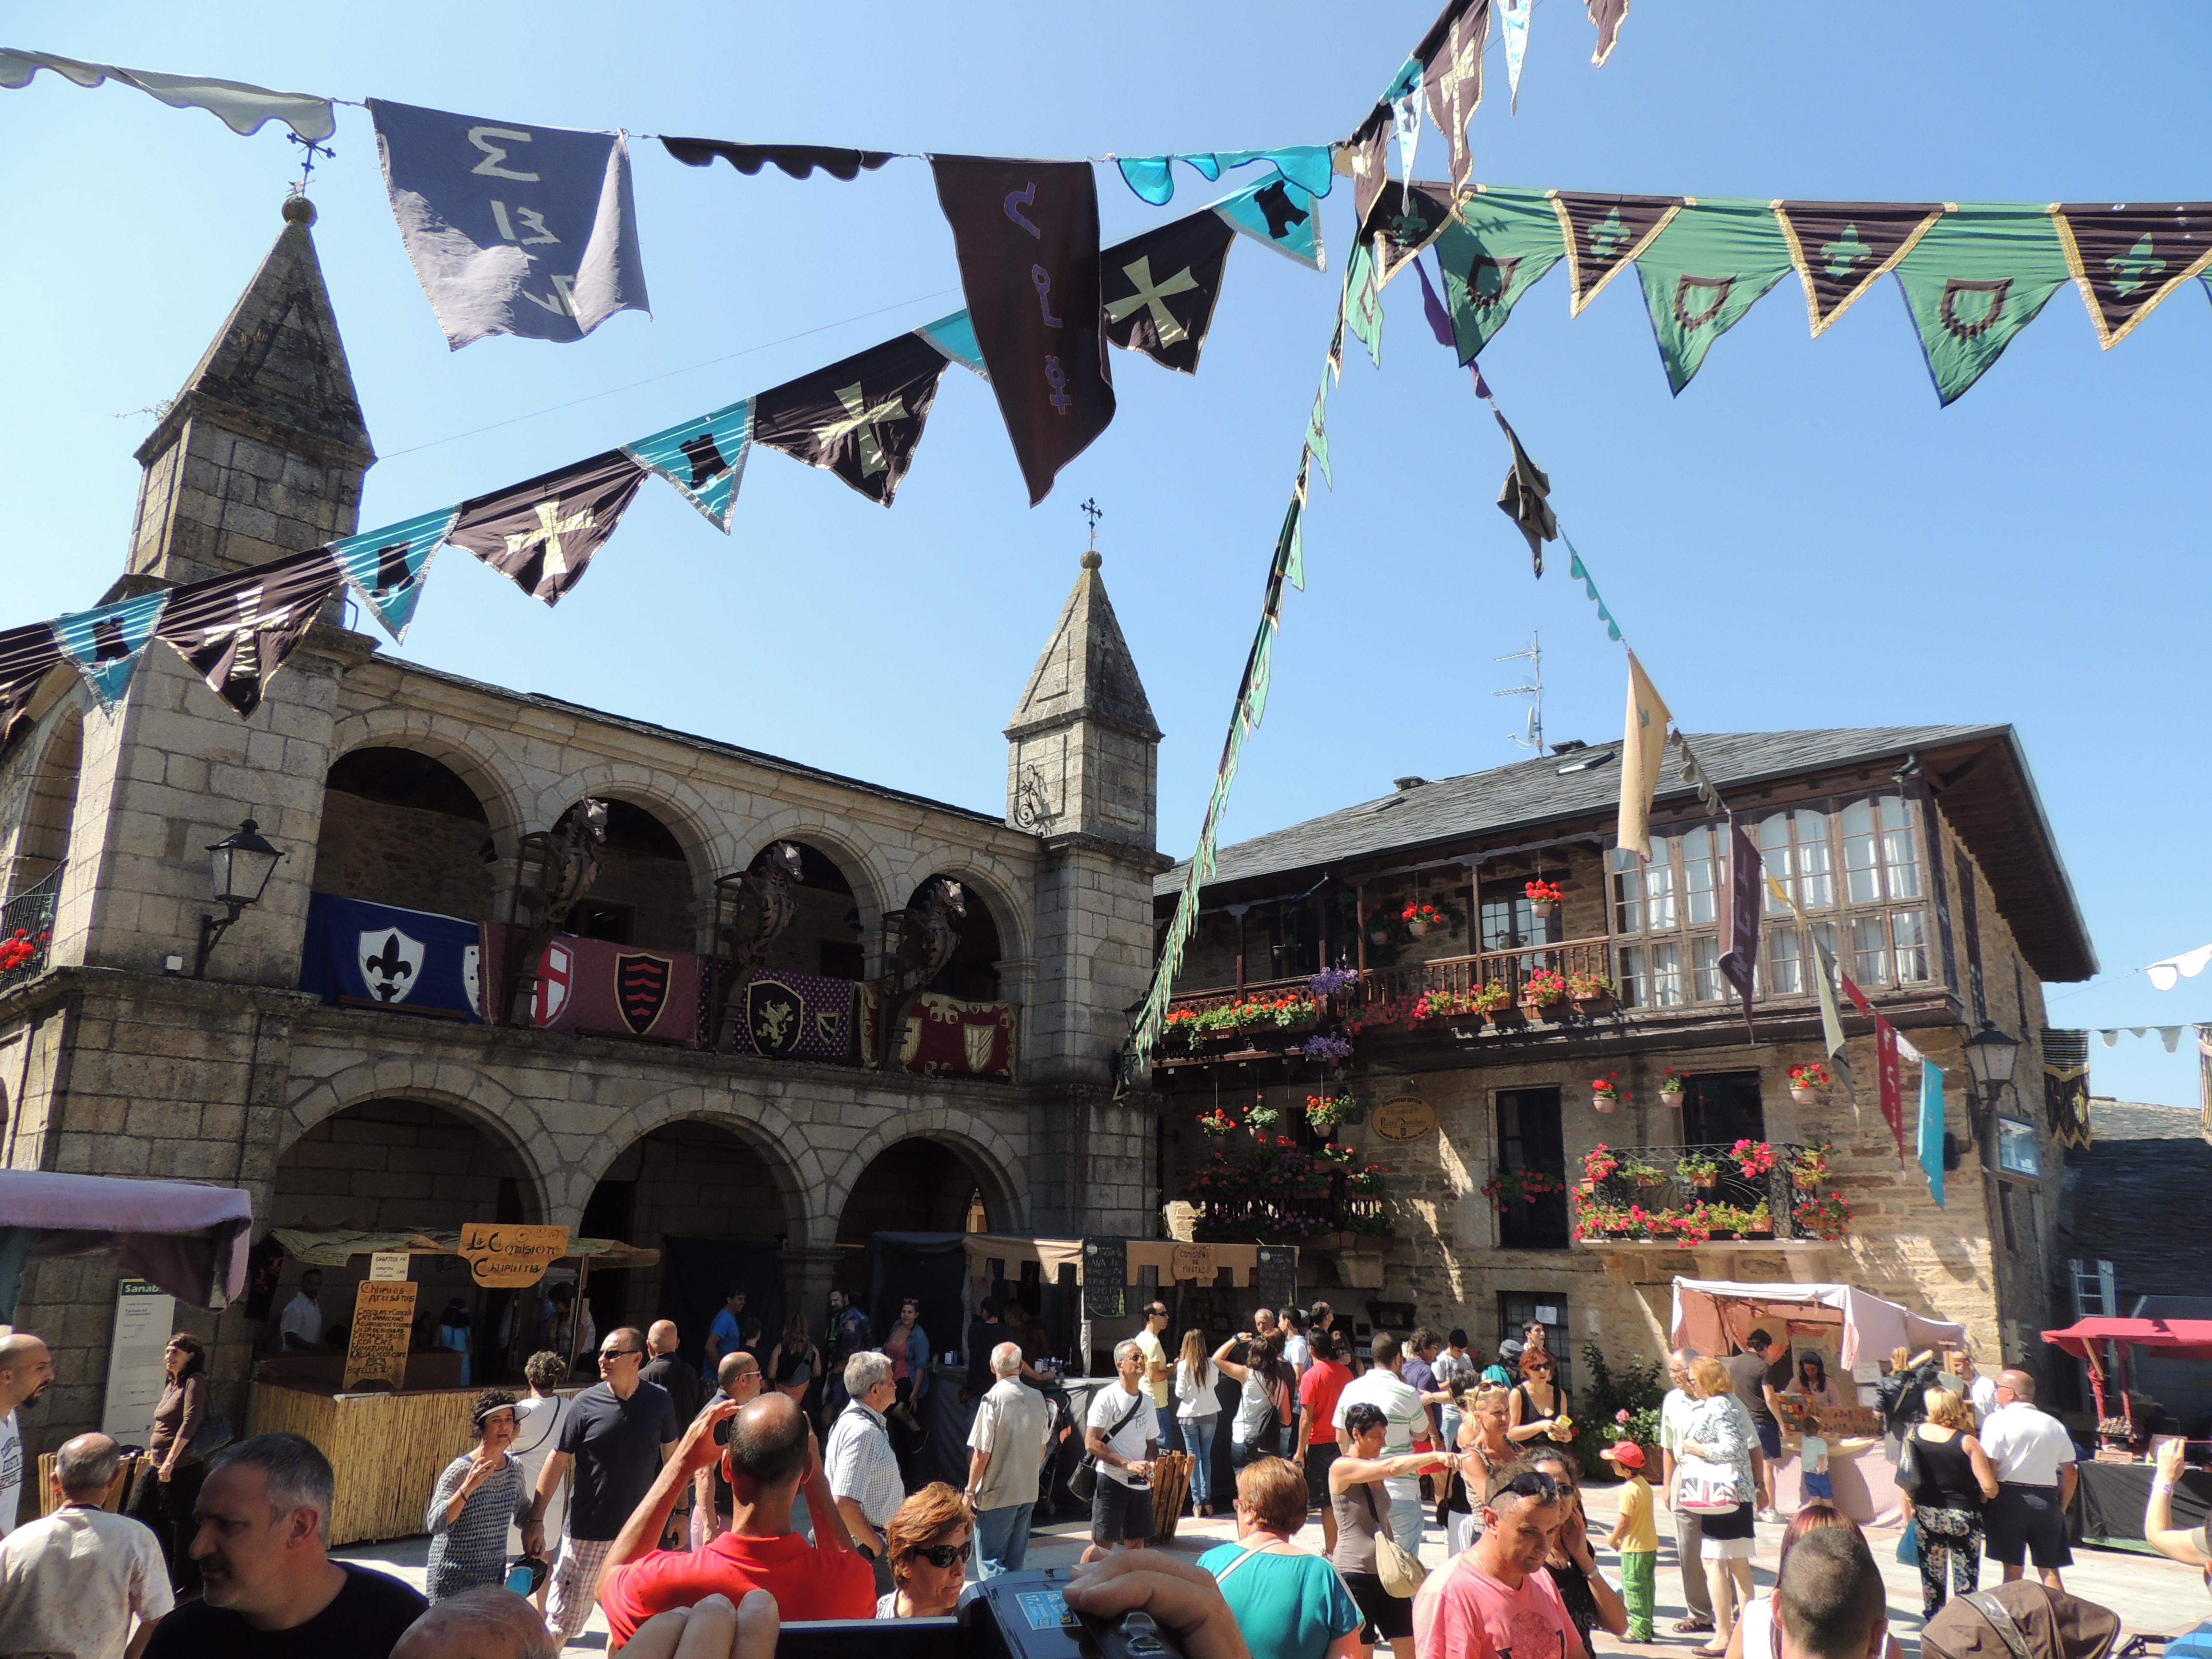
1920, 856
397, 784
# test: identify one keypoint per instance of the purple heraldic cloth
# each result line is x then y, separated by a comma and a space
795, 1015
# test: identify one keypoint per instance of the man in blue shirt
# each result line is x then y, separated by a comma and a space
725, 1335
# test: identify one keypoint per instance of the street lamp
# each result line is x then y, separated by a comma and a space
1991, 1056
240, 864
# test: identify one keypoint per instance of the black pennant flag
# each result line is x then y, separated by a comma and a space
542, 534
861, 418
796, 160
1369, 150
1841, 247
26, 655
1027, 236
1451, 78
1526, 498
1603, 233
236, 631
2126, 258
1401, 224
1160, 289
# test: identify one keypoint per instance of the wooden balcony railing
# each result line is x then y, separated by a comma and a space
1460, 975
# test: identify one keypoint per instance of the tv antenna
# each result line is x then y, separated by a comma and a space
1534, 656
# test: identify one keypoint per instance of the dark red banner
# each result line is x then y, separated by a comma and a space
595, 987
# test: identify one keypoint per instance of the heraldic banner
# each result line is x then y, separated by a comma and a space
378, 956
595, 987
788, 1016
946, 1037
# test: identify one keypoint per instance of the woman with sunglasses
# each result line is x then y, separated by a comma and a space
1483, 1450
1719, 1431
1352, 1482
1537, 1409
479, 1493
1591, 1602
928, 1543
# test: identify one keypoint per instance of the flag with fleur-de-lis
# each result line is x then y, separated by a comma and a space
236, 631
1603, 233
861, 418
541, 535
2128, 256
1159, 288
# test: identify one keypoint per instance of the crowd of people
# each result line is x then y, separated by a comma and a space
698, 1507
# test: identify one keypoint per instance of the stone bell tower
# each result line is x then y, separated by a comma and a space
1083, 772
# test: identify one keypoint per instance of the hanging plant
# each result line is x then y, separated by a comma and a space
1419, 918
1259, 1115
1328, 1049
1755, 1157
1605, 1092
1327, 1111
1808, 1165
1330, 981
1507, 1186
1824, 1215
1365, 1183
1671, 1087
1217, 1122
1544, 897
1807, 1081
1599, 1163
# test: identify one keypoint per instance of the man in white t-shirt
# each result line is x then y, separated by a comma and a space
1689, 1528
1382, 1387
25, 1369
76, 1581
2036, 1475
1122, 1436
301, 1330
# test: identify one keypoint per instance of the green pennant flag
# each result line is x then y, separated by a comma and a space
1712, 263
1317, 432
1976, 279
1363, 302
1255, 689
1501, 245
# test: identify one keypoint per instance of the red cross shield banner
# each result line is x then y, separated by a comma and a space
556, 975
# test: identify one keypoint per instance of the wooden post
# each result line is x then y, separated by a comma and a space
1359, 918
576, 1311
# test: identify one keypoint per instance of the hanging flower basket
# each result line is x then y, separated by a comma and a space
1419, 918
1671, 1087
1544, 897
1806, 1083
1755, 1157
1217, 1122
1604, 1093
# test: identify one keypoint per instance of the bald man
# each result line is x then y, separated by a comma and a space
490, 1623
684, 1388
25, 1369
739, 1379
2035, 1458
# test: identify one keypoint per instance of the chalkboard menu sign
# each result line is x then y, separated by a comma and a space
1275, 1277
1105, 1277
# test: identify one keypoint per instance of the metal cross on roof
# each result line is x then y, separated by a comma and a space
1093, 512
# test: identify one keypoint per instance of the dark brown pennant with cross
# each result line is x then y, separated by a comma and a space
1159, 288
2127, 256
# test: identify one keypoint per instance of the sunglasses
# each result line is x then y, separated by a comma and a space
620, 1353
1532, 1483
942, 1556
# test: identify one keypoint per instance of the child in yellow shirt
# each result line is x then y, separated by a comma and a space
1636, 1536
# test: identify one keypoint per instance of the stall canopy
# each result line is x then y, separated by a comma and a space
1009, 1250
335, 1249
2173, 1339
1707, 1311
190, 1239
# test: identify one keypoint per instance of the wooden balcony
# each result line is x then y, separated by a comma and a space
1380, 988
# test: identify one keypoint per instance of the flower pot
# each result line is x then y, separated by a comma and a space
1596, 1005
1538, 1010
1671, 1097
1509, 1017
1378, 936
1418, 929
1604, 1102
1705, 1183
1542, 908
1803, 1096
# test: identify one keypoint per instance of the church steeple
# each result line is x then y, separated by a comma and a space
263, 451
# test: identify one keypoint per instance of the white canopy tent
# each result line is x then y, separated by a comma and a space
1713, 1316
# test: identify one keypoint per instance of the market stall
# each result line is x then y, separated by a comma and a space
2114, 1486
1850, 1330
190, 1240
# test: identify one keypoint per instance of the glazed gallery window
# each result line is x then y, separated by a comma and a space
1666, 912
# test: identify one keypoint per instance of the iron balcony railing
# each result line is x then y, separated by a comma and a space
1738, 1190
27, 929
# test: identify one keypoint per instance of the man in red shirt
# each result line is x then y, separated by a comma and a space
1495, 1601
1317, 1393
772, 1456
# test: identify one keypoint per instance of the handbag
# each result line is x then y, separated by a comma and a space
1909, 1475
1268, 1432
1704, 1487
211, 1438
1908, 1544
1402, 1574
1083, 1482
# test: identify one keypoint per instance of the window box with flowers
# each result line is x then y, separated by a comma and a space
1700, 1170
1808, 1165
1806, 1083
1822, 1215
1446, 1005
1599, 1165
1544, 897
1642, 1176
1180, 1028
1591, 993
1604, 1093
1671, 1088
1509, 1187
1755, 1157
1542, 991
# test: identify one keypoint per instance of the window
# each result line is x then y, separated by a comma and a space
1530, 1141
1676, 890
2017, 1151
1722, 1108
1517, 1310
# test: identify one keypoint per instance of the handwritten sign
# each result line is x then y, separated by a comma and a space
1105, 1277
1403, 1119
383, 1323
503, 1257
1275, 1275
1197, 1262
387, 1265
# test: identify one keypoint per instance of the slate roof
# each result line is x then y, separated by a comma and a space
1995, 813
2144, 1163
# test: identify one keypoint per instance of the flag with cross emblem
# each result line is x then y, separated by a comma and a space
387, 567
860, 418
1160, 289
704, 458
1027, 236
541, 535
236, 631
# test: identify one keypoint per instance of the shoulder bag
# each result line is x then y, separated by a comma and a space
1909, 1473
1402, 1574
1084, 1483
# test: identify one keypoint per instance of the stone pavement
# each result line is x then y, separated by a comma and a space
2150, 1593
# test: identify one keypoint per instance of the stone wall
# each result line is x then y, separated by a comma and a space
404, 856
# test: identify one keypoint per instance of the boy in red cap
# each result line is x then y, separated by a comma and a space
1636, 1536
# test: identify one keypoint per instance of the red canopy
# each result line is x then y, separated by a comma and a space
2180, 1339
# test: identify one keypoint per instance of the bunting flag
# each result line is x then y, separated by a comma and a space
955, 336
861, 418
1311, 167
1160, 289
512, 230
1402, 225
1027, 236
1580, 572
1406, 126
105, 643
1642, 750
541, 535
1975, 279
2126, 258
1608, 15
1513, 20
236, 631
1705, 269
1317, 419
795, 161
388, 567
1498, 245
243, 109
1929, 1136
1885, 1047
1451, 55
1432, 310
26, 655
1280, 214
1693, 773
704, 458
1839, 248
1741, 907
1526, 498
1603, 233
1361, 308
1368, 150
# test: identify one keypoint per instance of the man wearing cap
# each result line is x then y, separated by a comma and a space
1507, 1371
1636, 1536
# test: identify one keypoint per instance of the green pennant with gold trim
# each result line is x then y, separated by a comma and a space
1976, 278
1703, 272
1497, 247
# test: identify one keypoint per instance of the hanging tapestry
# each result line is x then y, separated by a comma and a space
1027, 236
381, 956
1713, 261
1280, 214
236, 631
1497, 246
1160, 289
944, 1036
596, 987
704, 458
512, 230
105, 643
1603, 233
1976, 278
796, 160
861, 418
2126, 258
542, 535
1839, 248
387, 567
788, 1016
1451, 55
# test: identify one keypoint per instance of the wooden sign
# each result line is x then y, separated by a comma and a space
503, 1257
383, 1325
1405, 1118
1197, 1262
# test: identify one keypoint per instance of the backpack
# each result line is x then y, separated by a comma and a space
2020, 1620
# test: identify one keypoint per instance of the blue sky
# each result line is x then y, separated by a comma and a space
1803, 539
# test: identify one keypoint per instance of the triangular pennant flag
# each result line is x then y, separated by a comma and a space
1152, 177
1839, 248
26, 655
1608, 15
861, 418
1513, 19
1253, 703
1406, 128
1451, 55
1642, 751
541, 535
1317, 429
236, 631
1526, 497
704, 458
1401, 224
1368, 150
1603, 233
2171, 1036
1160, 289
1976, 279
1362, 302
1280, 214
2127, 256
388, 566
1739, 908
1498, 245
1712, 263
105, 643
1289, 559
955, 336
1581, 573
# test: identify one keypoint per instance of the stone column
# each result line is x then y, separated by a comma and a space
806, 1276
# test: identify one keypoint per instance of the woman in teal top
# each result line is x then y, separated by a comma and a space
1289, 1602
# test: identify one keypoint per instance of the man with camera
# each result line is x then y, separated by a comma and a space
1123, 1437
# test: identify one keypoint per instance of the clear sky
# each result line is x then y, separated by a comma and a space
1803, 539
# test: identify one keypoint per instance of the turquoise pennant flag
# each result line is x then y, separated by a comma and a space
1307, 166
105, 643
704, 458
955, 336
1931, 1128
1280, 213
1580, 572
388, 566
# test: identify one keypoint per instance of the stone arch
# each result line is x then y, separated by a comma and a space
830, 930
401, 827
998, 886
857, 856
986, 937
487, 770
689, 816
988, 1155
765, 1129
43, 836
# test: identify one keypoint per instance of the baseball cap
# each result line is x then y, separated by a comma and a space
1625, 1453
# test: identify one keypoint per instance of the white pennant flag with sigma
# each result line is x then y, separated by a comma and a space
512, 230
